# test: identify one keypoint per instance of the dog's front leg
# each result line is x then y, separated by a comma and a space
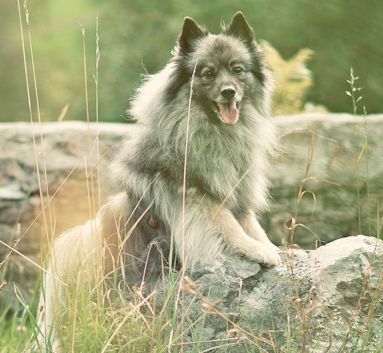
252, 227
257, 248
207, 230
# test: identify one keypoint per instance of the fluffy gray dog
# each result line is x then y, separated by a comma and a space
192, 171
223, 111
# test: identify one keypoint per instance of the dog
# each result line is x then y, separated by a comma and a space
192, 173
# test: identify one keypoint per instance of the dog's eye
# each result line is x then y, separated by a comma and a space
207, 74
238, 70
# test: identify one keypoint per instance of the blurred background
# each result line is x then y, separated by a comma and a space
137, 37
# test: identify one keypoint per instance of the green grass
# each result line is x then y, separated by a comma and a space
15, 331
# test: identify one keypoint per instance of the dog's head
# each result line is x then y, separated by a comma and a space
228, 68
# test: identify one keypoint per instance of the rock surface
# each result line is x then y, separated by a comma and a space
317, 301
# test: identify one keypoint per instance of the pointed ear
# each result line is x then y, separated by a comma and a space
190, 32
239, 27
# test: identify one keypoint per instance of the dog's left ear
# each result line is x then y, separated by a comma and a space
239, 27
190, 32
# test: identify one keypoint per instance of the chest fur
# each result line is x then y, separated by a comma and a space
220, 161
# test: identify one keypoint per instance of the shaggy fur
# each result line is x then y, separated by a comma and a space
213, 97
226, 162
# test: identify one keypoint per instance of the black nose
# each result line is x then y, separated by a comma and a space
228, 93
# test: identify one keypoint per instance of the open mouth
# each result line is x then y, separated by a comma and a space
228, 111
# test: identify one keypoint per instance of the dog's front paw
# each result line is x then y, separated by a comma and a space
265, 254
271, 256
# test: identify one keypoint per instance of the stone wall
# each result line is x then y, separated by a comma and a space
68, 169
346, 159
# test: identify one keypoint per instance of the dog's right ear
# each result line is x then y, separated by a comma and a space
190, 32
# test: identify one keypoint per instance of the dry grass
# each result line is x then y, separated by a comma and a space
114, 318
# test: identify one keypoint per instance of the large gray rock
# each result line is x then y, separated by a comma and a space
317, 301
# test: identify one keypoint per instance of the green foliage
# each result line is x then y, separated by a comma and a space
137, 37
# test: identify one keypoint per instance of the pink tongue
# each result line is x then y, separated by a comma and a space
228, 112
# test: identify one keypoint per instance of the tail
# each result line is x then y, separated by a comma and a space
82, 255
